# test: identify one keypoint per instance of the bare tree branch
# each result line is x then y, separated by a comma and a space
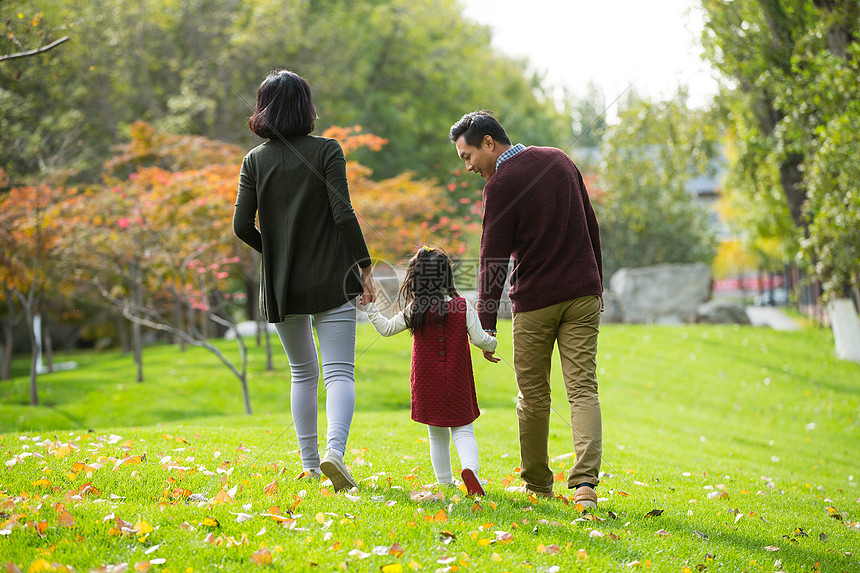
146, 316
29, 53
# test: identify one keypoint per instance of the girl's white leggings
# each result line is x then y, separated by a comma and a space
440, 450
336, 333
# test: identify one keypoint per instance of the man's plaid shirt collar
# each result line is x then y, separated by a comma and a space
510, 153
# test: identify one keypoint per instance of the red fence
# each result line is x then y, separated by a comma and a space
751, 283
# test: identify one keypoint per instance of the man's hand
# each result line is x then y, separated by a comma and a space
489, 356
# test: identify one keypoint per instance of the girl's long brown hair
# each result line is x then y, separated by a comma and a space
429, 278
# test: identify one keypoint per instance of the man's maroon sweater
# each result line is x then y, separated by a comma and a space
537, 210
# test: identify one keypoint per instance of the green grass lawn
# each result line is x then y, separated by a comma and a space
745, 439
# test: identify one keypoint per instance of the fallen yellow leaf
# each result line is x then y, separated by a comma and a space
210, 522
39, 565
62, 451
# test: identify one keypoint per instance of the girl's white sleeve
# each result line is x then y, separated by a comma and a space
476, 334
385, 326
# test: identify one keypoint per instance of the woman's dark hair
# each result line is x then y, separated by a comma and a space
429, 277
475, 125
284, 108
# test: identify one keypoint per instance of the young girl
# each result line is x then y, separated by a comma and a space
443, 386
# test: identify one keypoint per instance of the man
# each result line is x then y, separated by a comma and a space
537, 210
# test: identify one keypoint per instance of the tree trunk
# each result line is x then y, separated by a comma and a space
48, 345
206, 328
245, 394
137, 349
192, 325
34, 364
8, 347
34, 355
136, 338
122, 334
846, 328
839, 33
6, 363
179, 319
252, 309
205, 313
790, 177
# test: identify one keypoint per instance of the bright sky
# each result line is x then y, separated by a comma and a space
612, 42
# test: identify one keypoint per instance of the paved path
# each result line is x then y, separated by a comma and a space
772, 316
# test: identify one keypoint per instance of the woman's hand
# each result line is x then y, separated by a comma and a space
369, 294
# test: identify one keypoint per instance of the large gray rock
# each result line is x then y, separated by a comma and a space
663, 294
722, 312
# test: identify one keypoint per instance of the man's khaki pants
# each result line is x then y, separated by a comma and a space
574, 324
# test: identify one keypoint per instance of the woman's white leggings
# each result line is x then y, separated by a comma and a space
440, 450
336, 333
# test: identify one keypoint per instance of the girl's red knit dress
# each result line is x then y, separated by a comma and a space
443, 387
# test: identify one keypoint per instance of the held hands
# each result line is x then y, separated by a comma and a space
489, 355
369, 294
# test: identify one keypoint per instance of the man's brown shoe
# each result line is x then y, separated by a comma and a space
536, 493
585, 496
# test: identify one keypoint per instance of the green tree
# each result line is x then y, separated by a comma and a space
155, 239
834, 204
403, 69
646, 214
589, 116
792, 67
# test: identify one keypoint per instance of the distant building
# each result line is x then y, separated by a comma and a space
705, 187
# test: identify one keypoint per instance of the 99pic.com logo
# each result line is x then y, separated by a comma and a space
388, 278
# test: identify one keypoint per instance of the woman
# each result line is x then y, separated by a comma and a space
312, 248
